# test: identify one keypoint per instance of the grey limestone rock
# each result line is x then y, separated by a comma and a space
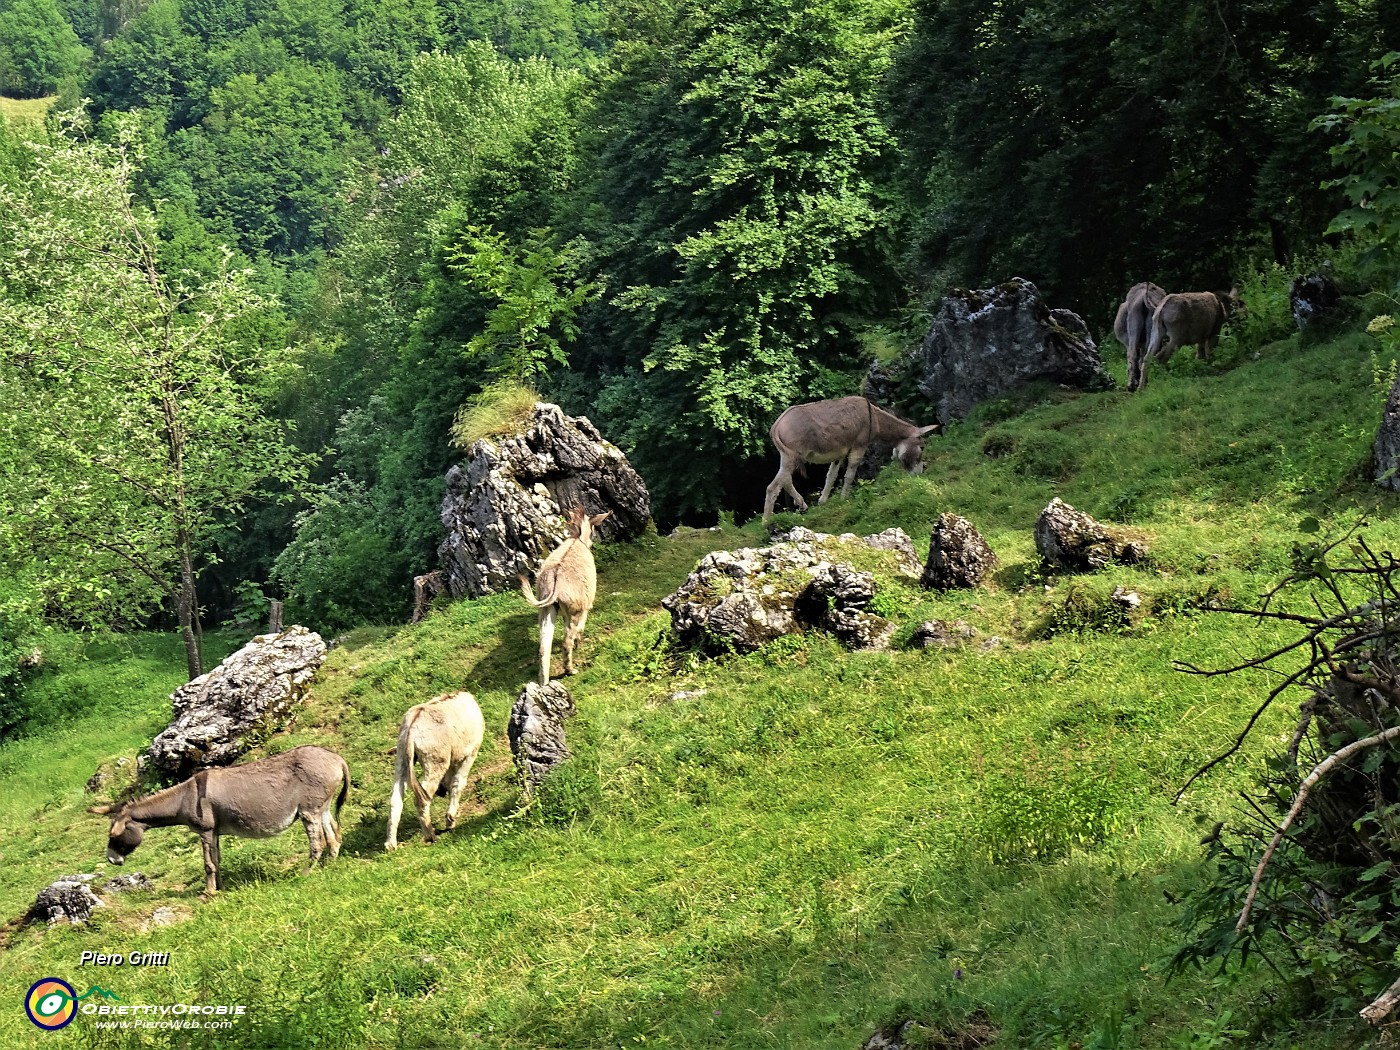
1071, 540
744, 599
224, 713
69, 899
126, 883
942, 634
504, 507
958, 556
536, 731
1385, 465
1312, 297
986, 343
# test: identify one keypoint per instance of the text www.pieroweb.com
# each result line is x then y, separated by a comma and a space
166, 1023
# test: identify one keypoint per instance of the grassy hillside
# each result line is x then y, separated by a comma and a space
822, 842
26, 110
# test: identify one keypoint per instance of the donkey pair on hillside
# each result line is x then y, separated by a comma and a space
1153, 324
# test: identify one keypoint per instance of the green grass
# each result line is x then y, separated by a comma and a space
823, 842
501, 408
26, 110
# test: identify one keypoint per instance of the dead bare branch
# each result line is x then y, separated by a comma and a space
1309, 782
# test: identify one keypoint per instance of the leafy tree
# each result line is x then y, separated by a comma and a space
567, 32
742, 231
534, 294
133, 410
1368, 153
341, 569
38, 48
155, 63
267, 160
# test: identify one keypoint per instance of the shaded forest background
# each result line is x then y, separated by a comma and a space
310, 232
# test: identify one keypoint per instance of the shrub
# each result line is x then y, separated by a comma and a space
340, 569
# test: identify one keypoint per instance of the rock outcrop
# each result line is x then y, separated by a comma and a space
1072, 541
742, 600
942, 634
984, 344
224, 713
1312, 297
504, 507
536, 731
69, 899
958, 556
1385, 460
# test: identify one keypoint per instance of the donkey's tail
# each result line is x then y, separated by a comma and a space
538, 603
344, 787
407, 756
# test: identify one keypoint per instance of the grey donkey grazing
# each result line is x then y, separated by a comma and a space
1187, 318
444, 735
838, 432
1133, 327
568, 582
254, 801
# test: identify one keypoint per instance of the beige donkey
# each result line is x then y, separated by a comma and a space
443, 736
568, 582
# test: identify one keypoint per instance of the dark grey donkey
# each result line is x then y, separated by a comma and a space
254, 801
1133, 327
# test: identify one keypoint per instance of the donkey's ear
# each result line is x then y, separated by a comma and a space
932, 428
118, 827
596, 518
101, 811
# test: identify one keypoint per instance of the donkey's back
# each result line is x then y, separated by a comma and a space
262, 798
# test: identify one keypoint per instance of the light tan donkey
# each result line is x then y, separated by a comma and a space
567, 582
443, 736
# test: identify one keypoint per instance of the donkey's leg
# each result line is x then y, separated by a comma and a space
431, 778
395, 808
852, 466
1134, 364
831, 473
209, 840
797, 500
546, 640
770, 494
573, 635
331, 829
455, 785
315, 839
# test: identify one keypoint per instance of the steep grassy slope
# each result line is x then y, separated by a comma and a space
26, 110
819, 844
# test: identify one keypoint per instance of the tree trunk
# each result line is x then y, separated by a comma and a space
189, 608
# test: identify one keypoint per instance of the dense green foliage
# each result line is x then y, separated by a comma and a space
38, 48
133, 402
1090, 146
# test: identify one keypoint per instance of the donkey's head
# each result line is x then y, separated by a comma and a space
1231, 303
125, 835
581, 525
910, 451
